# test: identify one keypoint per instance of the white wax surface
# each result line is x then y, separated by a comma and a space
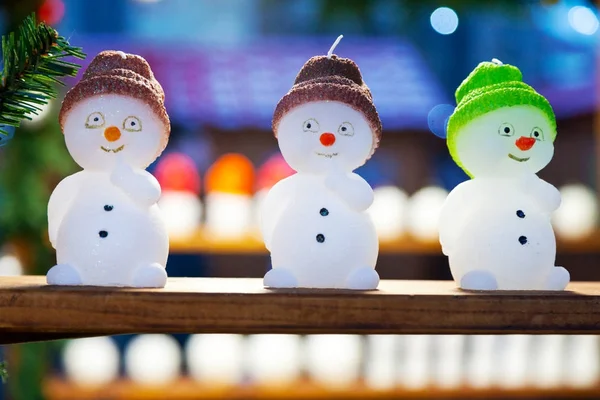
334, 360
388, 212
577, 216
228, 216
91, 361
417, 369
381, 362
274, 359
423, 211
216, 359
153, 360
182, 212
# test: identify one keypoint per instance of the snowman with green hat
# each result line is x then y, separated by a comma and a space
495, 228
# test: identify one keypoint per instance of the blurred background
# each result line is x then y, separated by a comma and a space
224, 65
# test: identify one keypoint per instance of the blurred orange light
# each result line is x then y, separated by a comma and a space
51, 11
231, 173
177, 172
272, 171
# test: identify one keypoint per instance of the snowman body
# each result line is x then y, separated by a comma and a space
496, 226
104, 221
315, 223
315, 235
104, 235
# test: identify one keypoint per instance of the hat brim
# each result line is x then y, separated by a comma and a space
485, 101
330, 91
140, 89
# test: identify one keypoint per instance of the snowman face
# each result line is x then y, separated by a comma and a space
101, 128
322, 136
506, 142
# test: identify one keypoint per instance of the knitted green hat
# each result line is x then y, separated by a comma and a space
492, 85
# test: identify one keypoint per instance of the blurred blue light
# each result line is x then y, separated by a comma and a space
437, 119
583, 20
444, 20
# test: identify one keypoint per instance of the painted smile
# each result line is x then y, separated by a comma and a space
326, 155
517, 158
118, 149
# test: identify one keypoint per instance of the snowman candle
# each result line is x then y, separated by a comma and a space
314, 222
104, 221
495, 228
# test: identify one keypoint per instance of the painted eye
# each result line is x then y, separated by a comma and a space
132, 124
94, 120
506, 129
346, 129
310, 125
537, 133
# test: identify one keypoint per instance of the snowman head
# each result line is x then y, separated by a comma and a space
324, 135
116, 110
327, 121
506, 142
501, 126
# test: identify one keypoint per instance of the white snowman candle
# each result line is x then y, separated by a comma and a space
495, 228
180, 202
104, 221
314, 222
271, 172
229, 187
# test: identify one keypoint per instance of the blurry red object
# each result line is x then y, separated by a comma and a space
231, 173
51, 11
178, 172
272, 171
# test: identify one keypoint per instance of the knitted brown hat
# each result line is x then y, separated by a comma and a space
334, 79
115, 72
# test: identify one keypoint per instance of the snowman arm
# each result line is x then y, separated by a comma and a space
547, 196
141, 187
352, 189
452, 215
271, 209
59, 203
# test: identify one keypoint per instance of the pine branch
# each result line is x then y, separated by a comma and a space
33, 63
3, 372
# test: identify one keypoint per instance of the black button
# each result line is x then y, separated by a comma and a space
108, 208
103, 234
324, 212
320, 238
522, 239
520, 214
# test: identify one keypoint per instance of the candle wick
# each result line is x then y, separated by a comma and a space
337, 41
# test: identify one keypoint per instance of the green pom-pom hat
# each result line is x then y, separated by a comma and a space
492, 85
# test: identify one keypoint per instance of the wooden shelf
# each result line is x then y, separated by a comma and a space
185, 389
252, 244
31, 310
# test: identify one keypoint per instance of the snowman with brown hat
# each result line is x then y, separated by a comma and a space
104, 221
314, 222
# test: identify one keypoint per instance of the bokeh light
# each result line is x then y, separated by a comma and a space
444, 20
91, 361
272, 171
177, 172
231, 173
583, 20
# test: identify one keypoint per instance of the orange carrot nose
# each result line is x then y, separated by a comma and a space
327, 139
525, 143
112, 133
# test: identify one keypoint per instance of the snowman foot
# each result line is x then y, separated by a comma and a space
280, 278
363, 279
63, 275
150, 276
558, 280
478, 280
